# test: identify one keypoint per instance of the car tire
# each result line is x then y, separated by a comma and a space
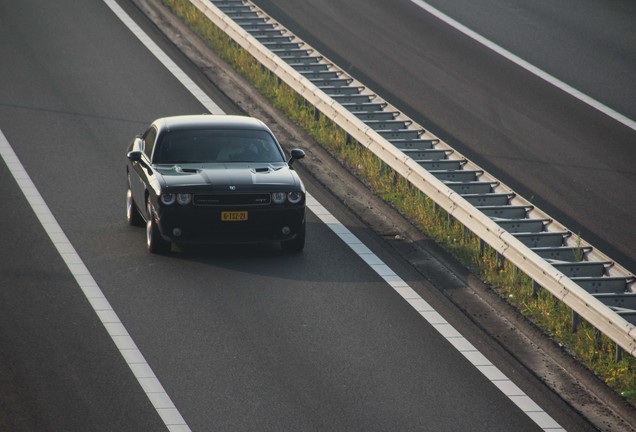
132, 212
297, 244
155, 242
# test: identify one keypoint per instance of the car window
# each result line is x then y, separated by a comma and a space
218, 145
149, 140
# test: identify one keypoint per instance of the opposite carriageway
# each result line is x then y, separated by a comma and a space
596, 288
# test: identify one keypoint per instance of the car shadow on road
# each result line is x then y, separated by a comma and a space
325, 258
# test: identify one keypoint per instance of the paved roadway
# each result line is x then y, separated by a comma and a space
567, 158
240, 339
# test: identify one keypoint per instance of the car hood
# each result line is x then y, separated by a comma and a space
224, 176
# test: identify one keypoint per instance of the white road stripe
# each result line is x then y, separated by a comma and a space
527, 66
477, 359
437, 321
127, 347
144, 374
125, 344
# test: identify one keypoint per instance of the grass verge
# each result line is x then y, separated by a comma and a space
595, 350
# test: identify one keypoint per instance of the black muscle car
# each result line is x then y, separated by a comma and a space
214, 179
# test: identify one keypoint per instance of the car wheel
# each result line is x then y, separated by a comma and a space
156, 243
132, 212
296, 244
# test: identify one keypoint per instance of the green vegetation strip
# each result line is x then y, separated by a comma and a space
595, 350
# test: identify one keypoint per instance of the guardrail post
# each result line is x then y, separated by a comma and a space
383, 168
576, 321
619, 353
535, 289
499, 260
466, 232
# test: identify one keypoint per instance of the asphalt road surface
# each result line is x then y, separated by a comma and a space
240, 338
564, 156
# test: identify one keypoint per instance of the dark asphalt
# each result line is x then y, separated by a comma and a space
588, 44
241, 339
565, 157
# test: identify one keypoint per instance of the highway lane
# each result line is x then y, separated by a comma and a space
588, 44
566, 157
60, 370
241, 339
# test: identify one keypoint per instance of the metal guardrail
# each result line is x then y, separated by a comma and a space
593, 286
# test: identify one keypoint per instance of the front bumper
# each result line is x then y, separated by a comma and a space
194, 225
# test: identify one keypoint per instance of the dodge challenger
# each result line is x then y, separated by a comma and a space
214, 179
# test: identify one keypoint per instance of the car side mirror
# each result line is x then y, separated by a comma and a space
134, 156
295, 155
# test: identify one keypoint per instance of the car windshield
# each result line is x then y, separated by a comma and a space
216, 145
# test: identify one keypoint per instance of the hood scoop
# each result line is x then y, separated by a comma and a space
190, 170
177, 170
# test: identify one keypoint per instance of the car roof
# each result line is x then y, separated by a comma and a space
209, 121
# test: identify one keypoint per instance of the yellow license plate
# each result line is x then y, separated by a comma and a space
232, 216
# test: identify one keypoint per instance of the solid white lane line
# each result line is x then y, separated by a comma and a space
461, 344
527, 66
491, 372
124, 343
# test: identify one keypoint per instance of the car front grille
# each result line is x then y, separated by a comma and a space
233, 199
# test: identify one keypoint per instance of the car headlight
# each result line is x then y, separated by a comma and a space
167, 198
184, 198
278, 197
295, 197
